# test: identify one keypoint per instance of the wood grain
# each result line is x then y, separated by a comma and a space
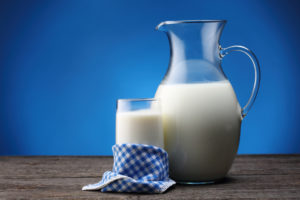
62, 177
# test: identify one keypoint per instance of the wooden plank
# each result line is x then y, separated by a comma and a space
272, 186
53, 166
58, 177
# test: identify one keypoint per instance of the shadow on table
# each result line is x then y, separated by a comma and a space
226, 180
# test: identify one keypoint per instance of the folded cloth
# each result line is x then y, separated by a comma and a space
137, 168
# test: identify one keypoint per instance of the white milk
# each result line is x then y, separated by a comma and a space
140, 127
201, 128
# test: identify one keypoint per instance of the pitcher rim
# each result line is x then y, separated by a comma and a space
190, 21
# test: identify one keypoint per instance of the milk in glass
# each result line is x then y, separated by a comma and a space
140, 127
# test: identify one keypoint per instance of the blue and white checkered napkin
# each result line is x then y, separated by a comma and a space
137, 168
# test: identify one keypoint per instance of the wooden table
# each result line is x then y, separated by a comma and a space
61, 177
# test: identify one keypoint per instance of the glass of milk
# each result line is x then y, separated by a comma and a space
139, 121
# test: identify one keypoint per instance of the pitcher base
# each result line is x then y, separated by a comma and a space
199, 182
195, 183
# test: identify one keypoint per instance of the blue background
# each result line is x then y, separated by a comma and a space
63, 65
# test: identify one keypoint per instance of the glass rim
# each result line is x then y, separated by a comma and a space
137, 99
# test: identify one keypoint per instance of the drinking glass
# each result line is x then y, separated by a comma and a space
139, 121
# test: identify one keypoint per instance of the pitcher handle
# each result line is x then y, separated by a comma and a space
251, 55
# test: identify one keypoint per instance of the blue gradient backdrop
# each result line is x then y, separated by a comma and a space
63, 64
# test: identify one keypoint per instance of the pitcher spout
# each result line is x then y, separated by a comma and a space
194, 47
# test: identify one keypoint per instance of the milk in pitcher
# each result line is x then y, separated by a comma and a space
201, 128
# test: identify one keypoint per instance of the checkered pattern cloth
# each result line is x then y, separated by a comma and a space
137, 168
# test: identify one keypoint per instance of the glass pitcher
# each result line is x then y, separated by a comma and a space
201, 114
